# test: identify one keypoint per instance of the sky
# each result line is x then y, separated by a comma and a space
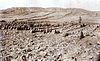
84, 4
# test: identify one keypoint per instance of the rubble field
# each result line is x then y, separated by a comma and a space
49, 34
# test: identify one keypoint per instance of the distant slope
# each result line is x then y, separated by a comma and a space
28, 10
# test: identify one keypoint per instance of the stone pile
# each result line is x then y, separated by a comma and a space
23, 25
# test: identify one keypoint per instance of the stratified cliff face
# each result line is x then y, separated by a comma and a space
49, 34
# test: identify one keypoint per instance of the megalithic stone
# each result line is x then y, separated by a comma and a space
81, 35
80, 20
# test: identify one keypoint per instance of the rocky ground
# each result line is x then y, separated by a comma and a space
51, 34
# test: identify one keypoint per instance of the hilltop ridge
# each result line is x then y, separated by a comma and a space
28, 10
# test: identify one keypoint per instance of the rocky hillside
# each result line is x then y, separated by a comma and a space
49, 34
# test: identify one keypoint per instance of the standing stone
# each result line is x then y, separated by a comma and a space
81, 35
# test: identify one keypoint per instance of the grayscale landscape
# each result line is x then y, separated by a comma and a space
49, 34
